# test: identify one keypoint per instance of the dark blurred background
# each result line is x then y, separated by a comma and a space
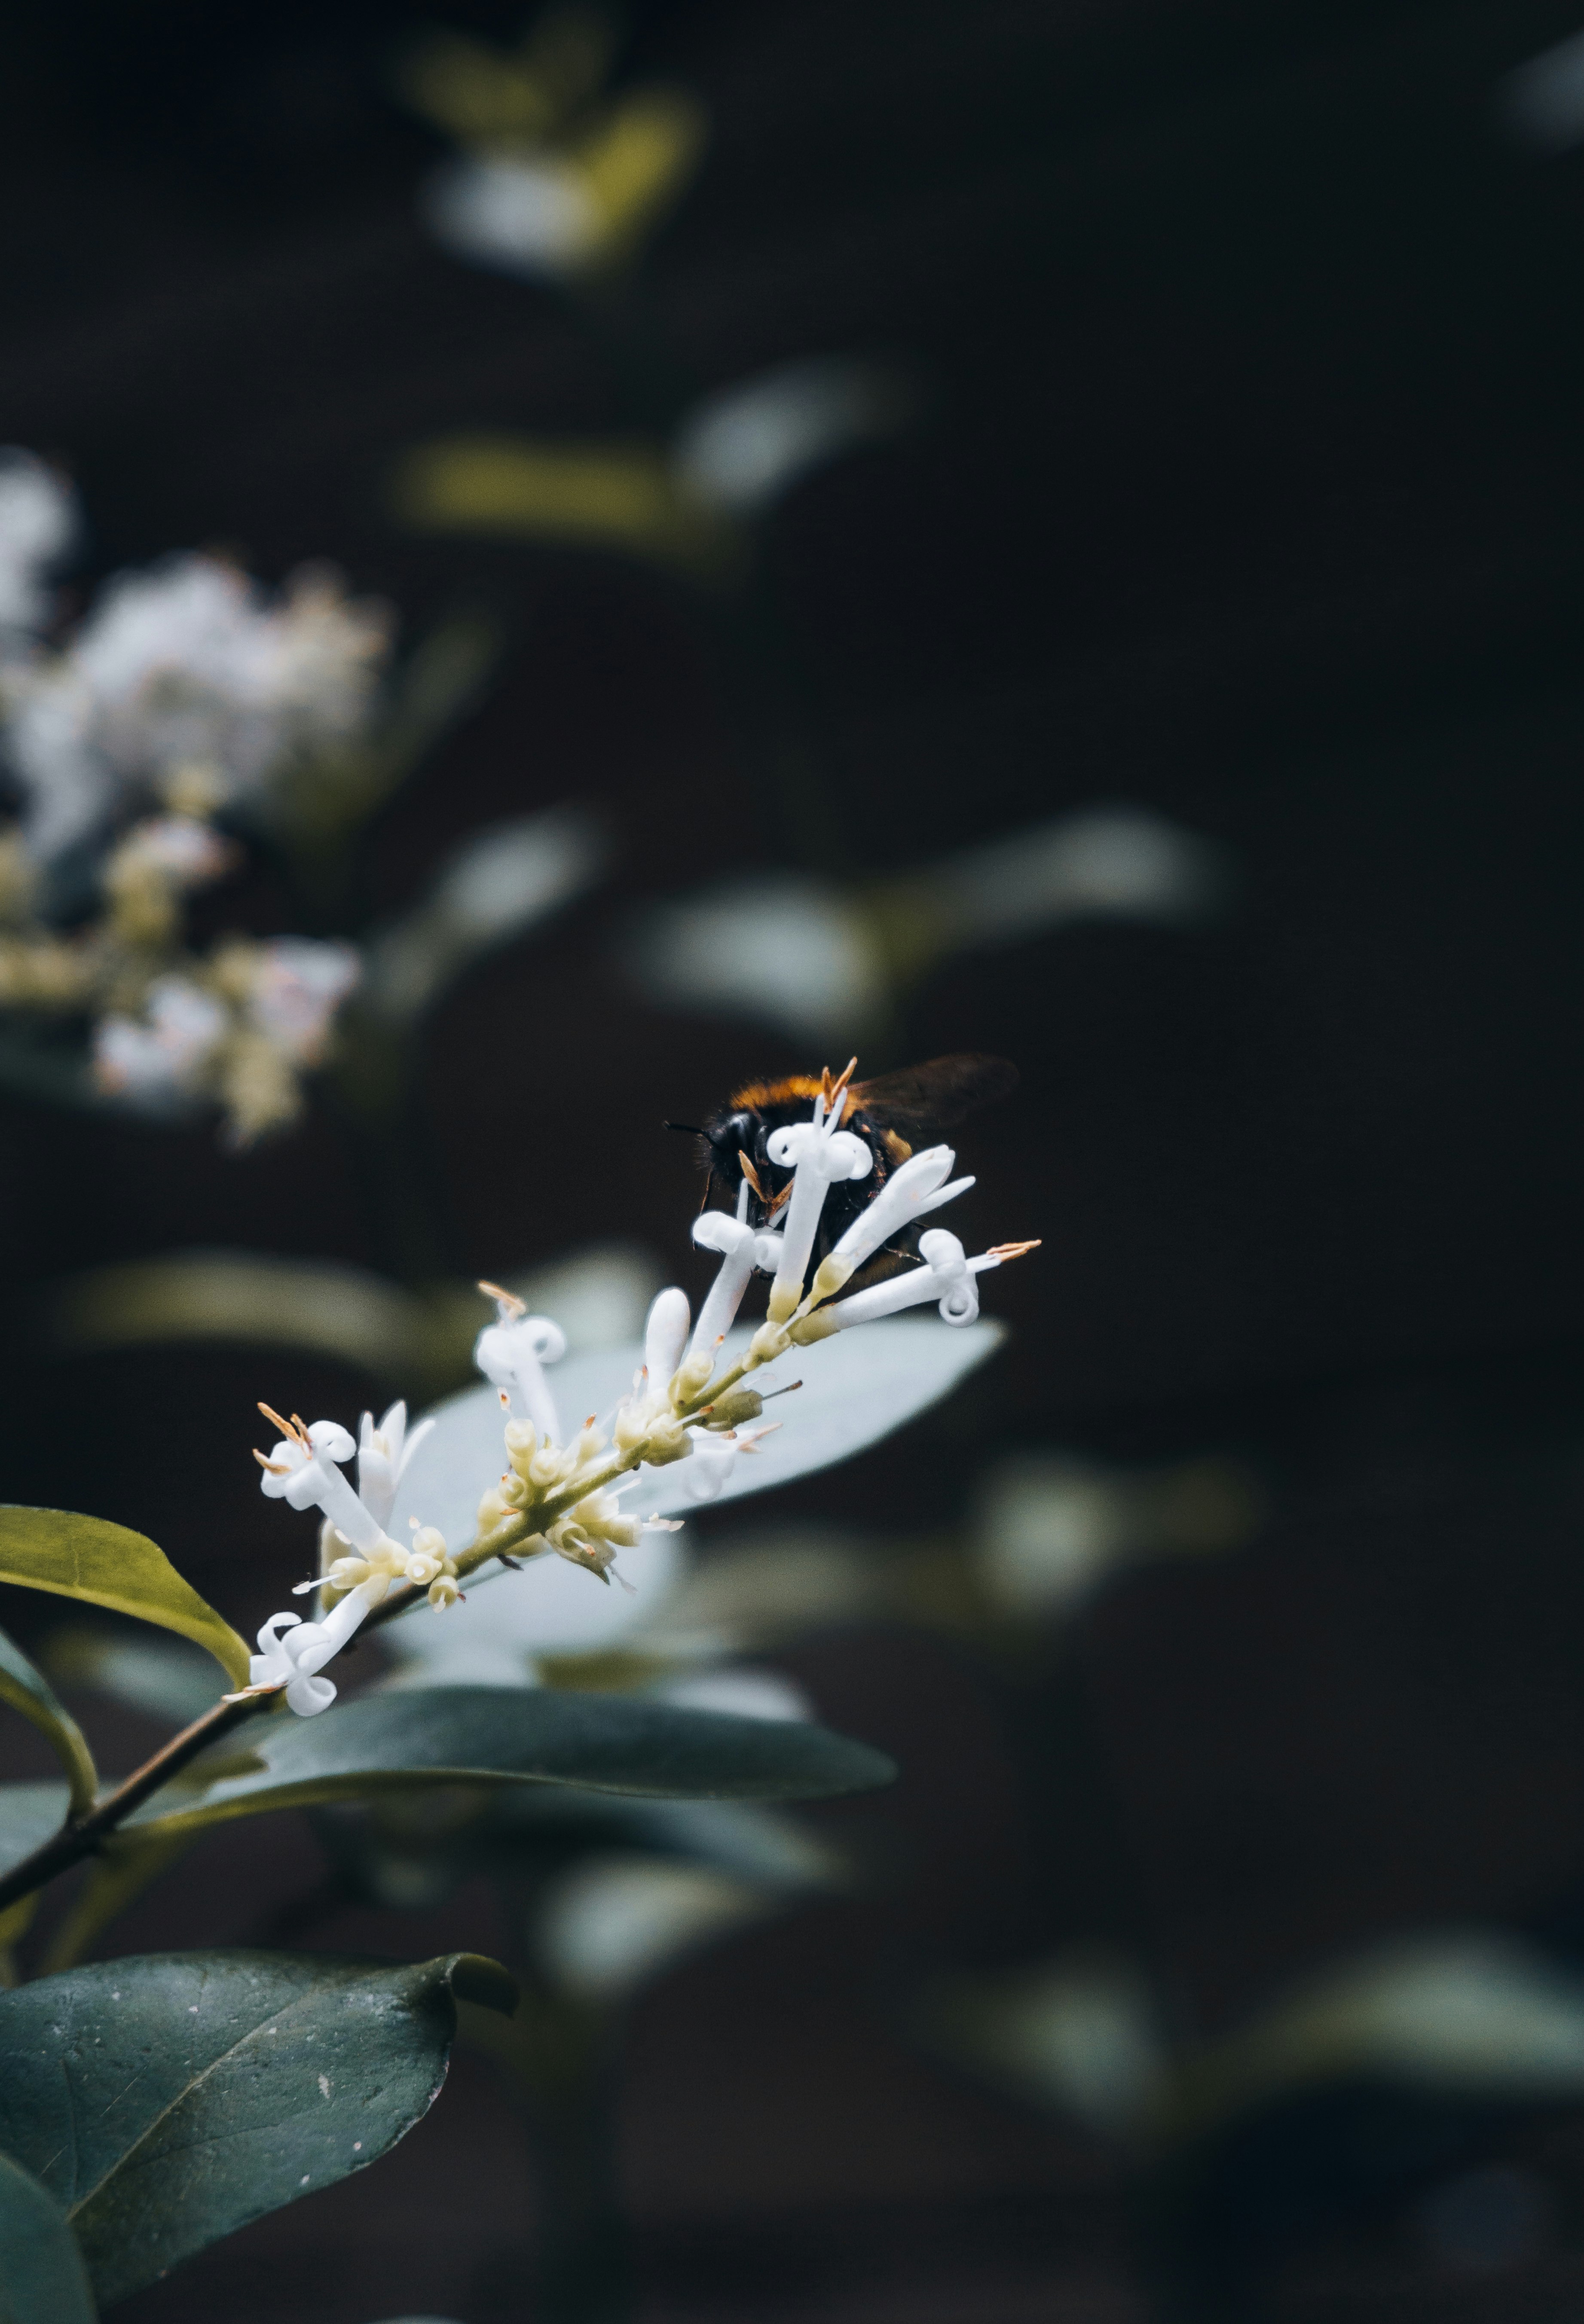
1245, 484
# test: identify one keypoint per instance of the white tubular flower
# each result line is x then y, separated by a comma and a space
946, 1278
297, 1658
302, 1472
715, 1457
513, 1354
742, 1248
819, 1155
665, 1336
918, 1186
382, 1454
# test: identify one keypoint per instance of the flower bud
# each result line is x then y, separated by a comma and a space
546, 1468
692, 1378
730, 1410
666, 1440
492, 1507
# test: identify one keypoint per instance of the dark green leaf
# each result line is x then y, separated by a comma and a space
42, 2279
106, 1565
165, 2101
485, 1734
28, 1690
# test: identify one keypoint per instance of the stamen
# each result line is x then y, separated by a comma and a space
275, 1468
750, 1175
770, 1394
1012, 1250
292, 1428
508, 1299
834, 1096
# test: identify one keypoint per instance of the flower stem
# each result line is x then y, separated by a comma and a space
80, 1836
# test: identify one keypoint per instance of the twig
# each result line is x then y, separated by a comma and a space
80, 1836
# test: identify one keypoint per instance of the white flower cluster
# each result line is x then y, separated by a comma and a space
188, 683
357, 1554
561, 1490
186, 692
38, 522
242, 1034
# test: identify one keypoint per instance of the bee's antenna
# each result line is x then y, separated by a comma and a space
691, 1127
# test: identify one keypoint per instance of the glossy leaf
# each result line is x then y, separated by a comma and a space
857, 1387
164, 2101
484, 1735
28, 1690
42, 2279
105, 1564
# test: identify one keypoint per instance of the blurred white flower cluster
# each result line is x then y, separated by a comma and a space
187, 693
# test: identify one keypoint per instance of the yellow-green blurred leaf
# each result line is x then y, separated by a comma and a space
253, 1301
27, 1690
635, 162
606, 496
105, 1564
486, 96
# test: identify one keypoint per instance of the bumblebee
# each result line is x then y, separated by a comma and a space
891, 1114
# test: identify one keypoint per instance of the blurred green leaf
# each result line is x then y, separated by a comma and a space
169, 1678
610, 1924
492, 889
1476, 2014
164, 2101
484, 1735
42, 2279
416, 1342
115, 1880
108, 1565
28, 1690
29, 1815
342, 1312
1080, 2033
611, 495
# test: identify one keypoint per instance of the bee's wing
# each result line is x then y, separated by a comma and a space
937, 1095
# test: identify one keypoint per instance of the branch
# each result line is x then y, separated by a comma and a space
80, 1836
